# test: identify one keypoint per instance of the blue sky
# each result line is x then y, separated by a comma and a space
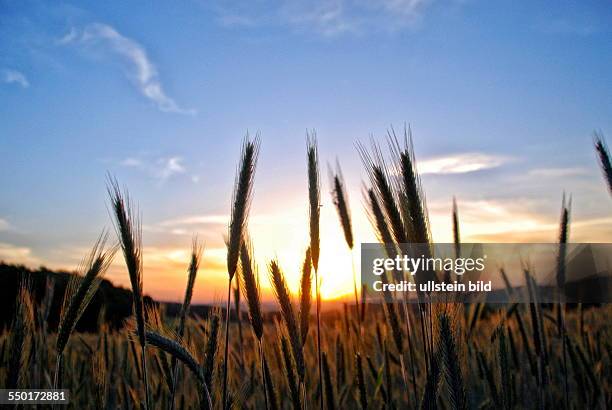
502, 98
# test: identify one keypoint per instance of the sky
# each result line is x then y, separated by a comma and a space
502, 98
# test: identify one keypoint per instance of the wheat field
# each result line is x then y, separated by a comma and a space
384, 355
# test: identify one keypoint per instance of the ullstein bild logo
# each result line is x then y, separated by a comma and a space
494, 273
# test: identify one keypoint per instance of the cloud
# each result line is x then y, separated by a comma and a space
213, 225
160, 168
325, 17
168, 167
493, 220
142, 70
461, 163
15, 77
4, 225
220, 219
557, 172
10, 253
328, 17
196, 220
132, 162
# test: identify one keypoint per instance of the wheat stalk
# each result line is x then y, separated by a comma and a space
504, 369
340, 364
281, 291
129, 232
603, 155
416, 219
314, 200
243, 190
210, 351
305, 296
270, 390
361, 384
100, 378
78, 294
450, 356
250, 287
341, 203
192, 271
383, 189
340, 200
18, 337
289, 368
391, 229
329, 387
178, 351
388, 397
563, 238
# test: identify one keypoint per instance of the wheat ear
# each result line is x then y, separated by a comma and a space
78, 294
192, 271
129, 232
314, 200
243, 190
603, 154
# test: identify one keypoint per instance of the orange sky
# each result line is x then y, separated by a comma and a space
282, 232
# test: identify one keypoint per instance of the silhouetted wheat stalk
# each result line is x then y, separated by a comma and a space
305, 305
340, 200
243, 190
210, 350
78, 294
377, 218
250, 287
450, 356
416, 224
20, 331
563, 239
192, 271
392, 228
329, 387
603, 155
361, 384
100, 378
177, 350
281, 291
238, 311
289, 370
504, 369
129, 232
314, 200
269, 386
456, 236
305, 296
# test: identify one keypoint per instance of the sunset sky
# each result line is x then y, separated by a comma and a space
502, 98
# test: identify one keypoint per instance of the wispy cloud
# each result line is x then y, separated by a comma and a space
196, 220
187, 224
142, 70
461, 163
558, 172
161, 168
4, 225
15, 77
10, 253
494, 220
132, 162
167, 167
325, 17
